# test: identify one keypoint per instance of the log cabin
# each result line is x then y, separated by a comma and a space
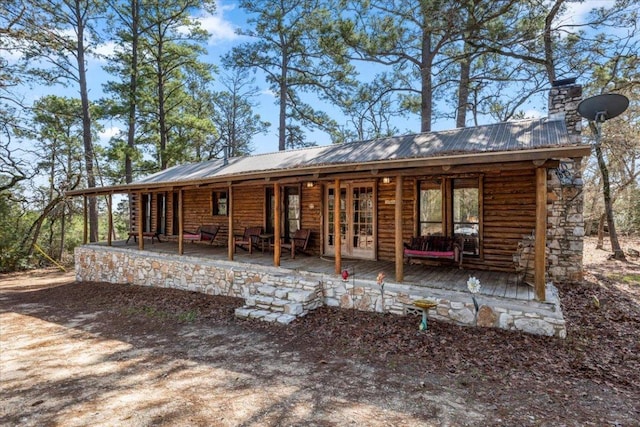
511, 192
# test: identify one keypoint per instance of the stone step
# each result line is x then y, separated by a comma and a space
247, 312
281, 304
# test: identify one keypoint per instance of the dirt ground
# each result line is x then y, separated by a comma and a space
78, 354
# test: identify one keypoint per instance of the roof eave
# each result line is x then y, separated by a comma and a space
475, 158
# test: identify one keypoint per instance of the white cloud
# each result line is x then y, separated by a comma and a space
578, 12
105, 49
107, 133
12, 49
218, 26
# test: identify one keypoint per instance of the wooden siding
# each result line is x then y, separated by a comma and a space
248, 207
311, 215
197, 211
509, 213
386, 216
508, 202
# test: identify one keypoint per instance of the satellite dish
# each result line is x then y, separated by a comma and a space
600, 108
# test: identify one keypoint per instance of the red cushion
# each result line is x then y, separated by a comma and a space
189, 236
431, 254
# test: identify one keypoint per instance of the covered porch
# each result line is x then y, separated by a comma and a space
298, 286
493, 283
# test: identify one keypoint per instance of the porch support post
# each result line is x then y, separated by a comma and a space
110, 214
541, 233
277, 232
398, 230
85, 226
140, 219
230, 244
337, 238
180, 222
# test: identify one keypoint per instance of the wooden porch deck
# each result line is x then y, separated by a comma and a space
493, 283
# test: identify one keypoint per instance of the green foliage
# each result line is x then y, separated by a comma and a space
234, 117
629, 278
286, 50
161, 88
12, 256
189, 316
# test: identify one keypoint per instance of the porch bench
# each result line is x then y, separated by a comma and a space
434, 247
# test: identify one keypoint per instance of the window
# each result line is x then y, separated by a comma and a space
451, 206
431, 208
466, 217
292, 206
219, 203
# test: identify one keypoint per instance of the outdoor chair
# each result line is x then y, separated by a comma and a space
298, 242
204, 233
248, 239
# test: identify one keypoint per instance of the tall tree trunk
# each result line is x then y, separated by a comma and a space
34, 230
133, 89
86, 124
600, 244
606, 190
426, 93
234, 112
548, 40
282, 131
463, 88
162, 120
63, 230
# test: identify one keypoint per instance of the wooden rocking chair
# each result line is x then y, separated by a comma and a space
204, 233
298, 242
249, 238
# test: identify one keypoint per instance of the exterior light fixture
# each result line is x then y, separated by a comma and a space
310, 184
386, 180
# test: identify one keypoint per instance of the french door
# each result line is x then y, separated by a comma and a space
291, 211
357, 220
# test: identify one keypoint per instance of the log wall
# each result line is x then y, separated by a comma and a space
312, 216
386, 216
509, 213
248, 210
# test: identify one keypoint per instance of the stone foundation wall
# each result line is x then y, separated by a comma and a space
249, 281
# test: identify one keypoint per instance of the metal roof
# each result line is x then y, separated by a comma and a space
538, 138
500, 137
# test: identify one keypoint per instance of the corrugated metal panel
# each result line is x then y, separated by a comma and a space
509, 136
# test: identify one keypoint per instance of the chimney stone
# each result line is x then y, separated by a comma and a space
564, 97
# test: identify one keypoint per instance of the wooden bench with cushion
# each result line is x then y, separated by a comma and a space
434, 247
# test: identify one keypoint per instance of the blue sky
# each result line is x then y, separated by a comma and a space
222, 26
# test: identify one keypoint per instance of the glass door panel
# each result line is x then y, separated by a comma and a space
362, 202
357, 221
329, 241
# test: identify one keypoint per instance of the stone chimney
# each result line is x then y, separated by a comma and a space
564, 97
564, 191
